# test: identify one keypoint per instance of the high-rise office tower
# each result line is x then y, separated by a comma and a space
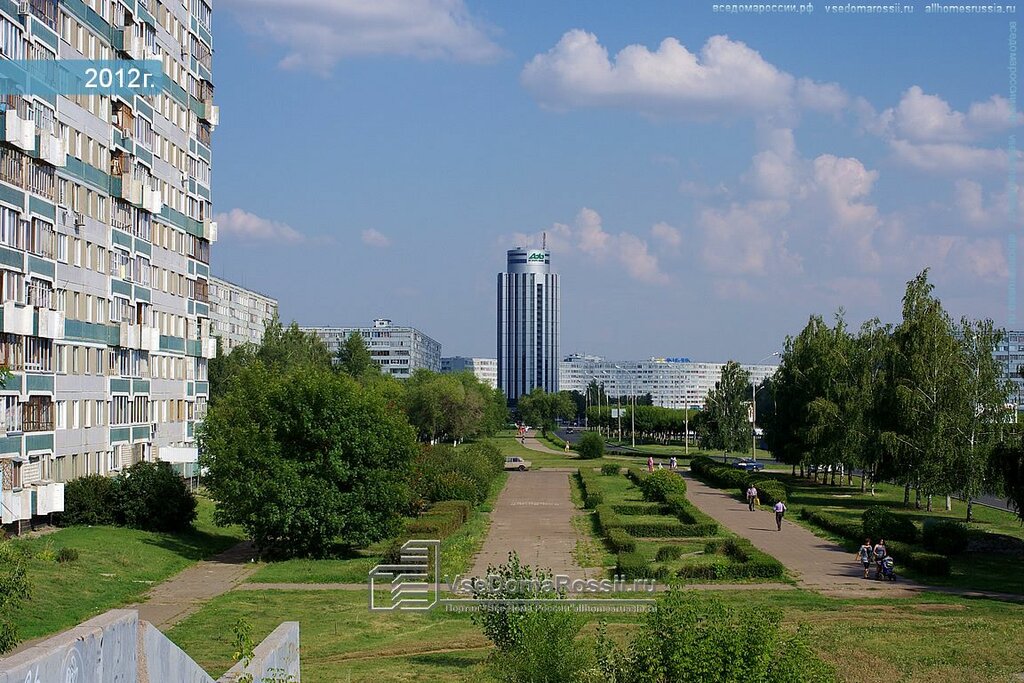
529, 323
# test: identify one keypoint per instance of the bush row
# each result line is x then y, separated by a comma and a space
655, 486
882, 522
592, 496
739, 559
640, 508
929, 563
834, 524
698, 523
443, 472
770, 491
439, 521
621, 541
945, 536
147, 495
633, 565
608, 518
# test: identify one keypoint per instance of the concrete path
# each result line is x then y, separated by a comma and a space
816, 563
181, 595
533, 516
535, 444
658, 587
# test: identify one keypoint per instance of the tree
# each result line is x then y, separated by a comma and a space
591, 446
725, 421
927, 405
306, 458
1007, 469
984, 408
354, 358
544, 409
453, 406
152, 496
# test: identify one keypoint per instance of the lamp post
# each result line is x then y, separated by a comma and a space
753, 408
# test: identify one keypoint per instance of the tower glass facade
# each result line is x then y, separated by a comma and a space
529, 323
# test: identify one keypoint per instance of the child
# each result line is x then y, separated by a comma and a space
865, 553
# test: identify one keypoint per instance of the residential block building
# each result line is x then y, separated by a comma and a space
671, 382
1010, 356
529, 323
105, 237
485, 369
238, 315
398, 350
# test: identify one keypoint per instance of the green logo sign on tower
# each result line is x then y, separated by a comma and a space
536, 257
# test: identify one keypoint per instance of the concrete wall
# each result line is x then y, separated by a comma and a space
275, 660
117, 648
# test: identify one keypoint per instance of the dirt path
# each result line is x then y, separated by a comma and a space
533, 516
181, 595
816, 563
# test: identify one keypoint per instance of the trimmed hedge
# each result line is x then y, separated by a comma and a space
928, 563
640, 508
437, 523
633, 565
739, 560
610, 469
668, 552
945, 536
881, 522
659, 484
697, 522
592, 496
769, 490
620, 541
834, 524
607, 518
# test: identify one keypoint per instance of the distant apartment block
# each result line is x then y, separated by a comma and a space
485, 369
238, 315
398, 350
105, 237
1010, 356
671, 382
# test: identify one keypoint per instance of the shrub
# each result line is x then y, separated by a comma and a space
88, 501
834, 524
443, 472
592, 496
621, 541
610, 469
639, 508
546, 650
881, 522
668, 552
151, 496
504, 624
928, 563
67, 554
656, 485
770, 490
607, 519
744, 561
8, 636
633, 565
945, 536
657, 529
440, 521
590, 446
697, 523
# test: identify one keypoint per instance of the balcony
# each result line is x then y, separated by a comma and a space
20, 132
151, 200
37, 415
12, 166
209, 348
52, 150
18, 318
130, 336
149, 338
24, 503
131, 189
209, 230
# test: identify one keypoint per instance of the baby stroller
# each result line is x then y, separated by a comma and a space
889, 568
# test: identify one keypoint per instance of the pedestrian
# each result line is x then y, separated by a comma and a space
660, 466
566, 446
751, 497
880, 552
650, 463
672, 463
780, 511
865, 554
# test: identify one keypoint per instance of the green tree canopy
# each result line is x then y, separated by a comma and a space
724, 423
539, 408
354, 358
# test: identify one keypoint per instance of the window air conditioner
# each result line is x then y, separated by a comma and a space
79, 219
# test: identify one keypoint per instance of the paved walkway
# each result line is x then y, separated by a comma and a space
816, 563
533, 516
181, 595
535, 444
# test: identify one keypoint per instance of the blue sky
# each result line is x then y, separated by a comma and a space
707, 181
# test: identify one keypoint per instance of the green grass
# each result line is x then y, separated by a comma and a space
509, 445
456, 554
924, 638
981, 571
116, 566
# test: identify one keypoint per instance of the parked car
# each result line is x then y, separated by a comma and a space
748, 465
516, 463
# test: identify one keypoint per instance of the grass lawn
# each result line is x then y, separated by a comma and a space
456, 554
115, 567
924, 638
509, 445
995, 571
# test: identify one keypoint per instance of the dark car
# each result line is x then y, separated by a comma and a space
748, 465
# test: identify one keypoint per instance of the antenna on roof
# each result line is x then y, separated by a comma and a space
544, 242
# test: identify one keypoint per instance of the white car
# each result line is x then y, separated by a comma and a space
516, 463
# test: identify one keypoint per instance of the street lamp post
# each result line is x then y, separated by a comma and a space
753, 408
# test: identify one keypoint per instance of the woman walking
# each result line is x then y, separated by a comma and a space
865, 554
879, 552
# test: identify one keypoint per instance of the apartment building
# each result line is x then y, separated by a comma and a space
671, 382
105, 237
1010, 357
485, 369
238, 315
398, 350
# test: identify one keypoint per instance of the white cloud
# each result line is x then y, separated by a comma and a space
742, 239
248, 226
316, 34
667, 235
374, 238
726, 78
922, 117
948, 157
587, 236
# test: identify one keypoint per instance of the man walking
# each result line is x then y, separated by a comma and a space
751, 497
780, 511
